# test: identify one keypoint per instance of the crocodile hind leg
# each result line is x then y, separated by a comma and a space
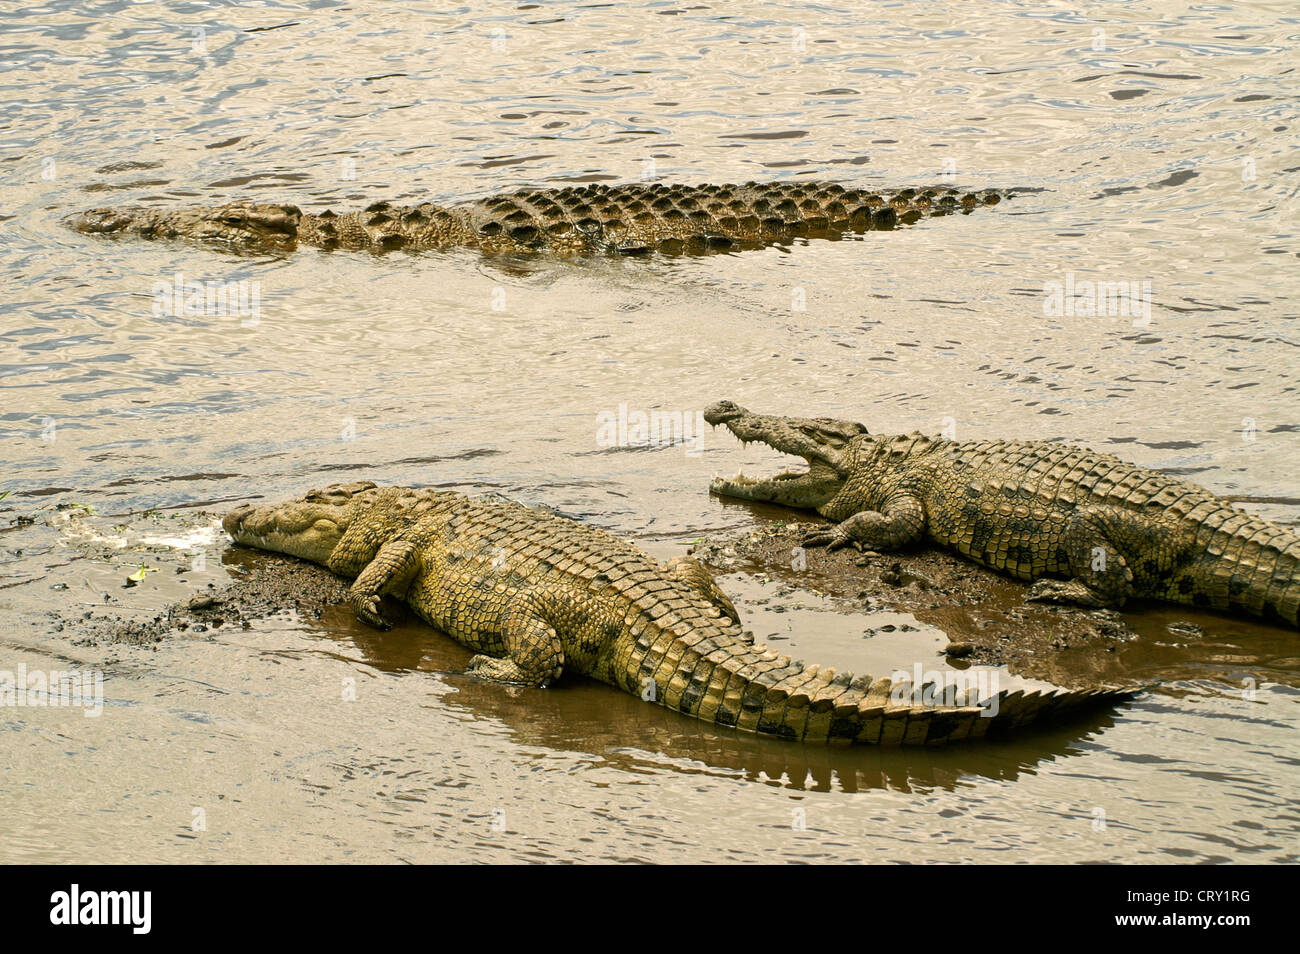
1093, 544
534, 653
896, 524
695, 575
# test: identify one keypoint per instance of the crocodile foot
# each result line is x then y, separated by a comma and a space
501, 670
369, 609
832, 538
1069, 592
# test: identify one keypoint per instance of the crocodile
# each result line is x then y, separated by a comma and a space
536, 595
624, 219
1084, 527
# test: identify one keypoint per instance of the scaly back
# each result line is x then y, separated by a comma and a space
593, 558
643, 216
1054, 472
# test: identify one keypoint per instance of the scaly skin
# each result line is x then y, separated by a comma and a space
1109, 530
627, 219
538, 595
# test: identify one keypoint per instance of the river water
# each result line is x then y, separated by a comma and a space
1155, 147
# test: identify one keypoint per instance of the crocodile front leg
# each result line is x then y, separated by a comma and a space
391, 571
900, 522
534, 653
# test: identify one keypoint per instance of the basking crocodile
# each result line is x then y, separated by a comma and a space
1032, 509
538, 595
626, 219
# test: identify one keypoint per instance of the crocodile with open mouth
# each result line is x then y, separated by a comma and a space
1086, 528
625, 219
538, 595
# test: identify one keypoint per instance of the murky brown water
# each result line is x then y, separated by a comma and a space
1164, 148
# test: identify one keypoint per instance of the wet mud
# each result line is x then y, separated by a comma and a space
986, 620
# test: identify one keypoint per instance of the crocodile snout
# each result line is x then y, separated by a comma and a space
722, 412
94, 221
232, 522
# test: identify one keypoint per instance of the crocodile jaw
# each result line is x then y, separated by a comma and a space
306, 529
819, 441
808, 490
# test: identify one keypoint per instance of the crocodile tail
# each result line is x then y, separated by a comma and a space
239, 224
732, 683
901, 713
1248, 566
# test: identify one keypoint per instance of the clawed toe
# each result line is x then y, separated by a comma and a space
1044, 591
821, 538
832, 539
1064, 592
501, 670
370, 611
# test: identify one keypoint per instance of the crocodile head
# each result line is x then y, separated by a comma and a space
238, 224
820, 441
314, 525
309, 526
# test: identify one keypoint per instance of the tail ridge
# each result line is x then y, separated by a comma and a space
752, 688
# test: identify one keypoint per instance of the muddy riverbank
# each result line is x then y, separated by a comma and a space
978, 616
986, 620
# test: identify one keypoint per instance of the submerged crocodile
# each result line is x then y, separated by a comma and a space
625, 219
537, 595
1109, 530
